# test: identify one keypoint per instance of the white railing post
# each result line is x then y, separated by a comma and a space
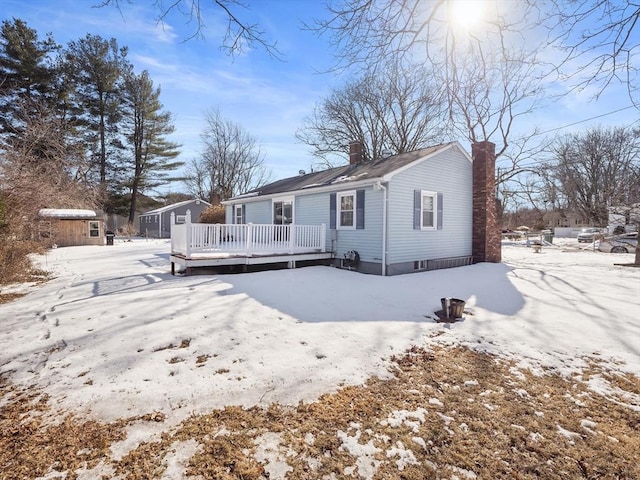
249, 237
323, 237
187, 224
292, 237
173, 240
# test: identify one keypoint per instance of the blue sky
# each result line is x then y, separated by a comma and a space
268, 97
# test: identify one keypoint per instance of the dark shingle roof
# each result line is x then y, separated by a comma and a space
340, 175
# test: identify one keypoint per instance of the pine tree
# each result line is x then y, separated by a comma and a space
26, 75
95, 67
147, 127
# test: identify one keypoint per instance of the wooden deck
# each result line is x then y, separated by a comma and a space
209, 245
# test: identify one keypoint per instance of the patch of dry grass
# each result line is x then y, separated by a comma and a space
450, 411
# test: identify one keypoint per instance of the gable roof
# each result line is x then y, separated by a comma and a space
381, 169
168, 208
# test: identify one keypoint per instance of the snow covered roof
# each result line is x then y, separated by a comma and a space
168, 208
69, 213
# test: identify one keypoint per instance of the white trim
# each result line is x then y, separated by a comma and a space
97, 229
434, 196
234, 213
283, 199
339, 195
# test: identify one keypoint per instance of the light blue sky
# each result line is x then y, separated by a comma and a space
268, 97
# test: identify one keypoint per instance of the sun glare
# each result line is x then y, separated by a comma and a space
466, 13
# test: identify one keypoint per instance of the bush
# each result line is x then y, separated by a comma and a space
15, 261
213, 214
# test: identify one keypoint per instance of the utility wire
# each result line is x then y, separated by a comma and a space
585, 120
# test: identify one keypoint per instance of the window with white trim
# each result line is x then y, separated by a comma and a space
238, 218
181, 218
428, 210
283, 210
94, 229
346, 210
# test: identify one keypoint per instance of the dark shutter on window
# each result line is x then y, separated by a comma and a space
360, 209
417, 209
332, 211
439, 211
244, 214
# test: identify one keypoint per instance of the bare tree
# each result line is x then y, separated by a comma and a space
596, 170
490, 76
397, 112
239, 36
43, 169
231, 161
599, 41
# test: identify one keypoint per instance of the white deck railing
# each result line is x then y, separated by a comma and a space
245, 239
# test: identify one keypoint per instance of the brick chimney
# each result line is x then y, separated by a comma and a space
486, 241
355, 152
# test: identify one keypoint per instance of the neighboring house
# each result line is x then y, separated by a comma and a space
428, 209
157, 223
69, 226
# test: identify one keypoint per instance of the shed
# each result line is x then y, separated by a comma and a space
65, 227
156, 223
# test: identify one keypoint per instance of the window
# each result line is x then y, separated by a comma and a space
238, 214
94, 229
181, 218
346, 209
283, 211
428, 210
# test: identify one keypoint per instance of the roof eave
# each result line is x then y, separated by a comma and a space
306, 191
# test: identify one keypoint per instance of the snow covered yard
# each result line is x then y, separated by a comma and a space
155, 367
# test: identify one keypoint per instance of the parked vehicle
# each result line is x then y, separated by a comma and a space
588, 235
625, 243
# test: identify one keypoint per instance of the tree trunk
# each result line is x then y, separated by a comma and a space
637, 261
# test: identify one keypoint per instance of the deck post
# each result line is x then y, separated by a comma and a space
173, 222
188, 234
249, 238
292, 237
323, 237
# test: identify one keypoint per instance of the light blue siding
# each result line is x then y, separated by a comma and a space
255, 212
368, 241
449, 173
259, 212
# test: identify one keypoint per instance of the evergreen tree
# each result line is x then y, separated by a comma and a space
146, 129
26, 75
95, 67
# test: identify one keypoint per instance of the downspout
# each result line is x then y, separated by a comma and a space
380, 186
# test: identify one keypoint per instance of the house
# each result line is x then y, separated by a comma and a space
157, 222
422, 210
70, 227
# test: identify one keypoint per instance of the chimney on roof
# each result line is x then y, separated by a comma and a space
355, 152
486, 235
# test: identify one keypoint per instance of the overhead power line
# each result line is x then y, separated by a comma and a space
585, 120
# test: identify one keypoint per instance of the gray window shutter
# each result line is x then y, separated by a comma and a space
332, 211
360, 209
244, 214
439, 211
417, 209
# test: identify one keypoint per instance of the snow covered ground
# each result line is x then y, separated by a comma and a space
113, 334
